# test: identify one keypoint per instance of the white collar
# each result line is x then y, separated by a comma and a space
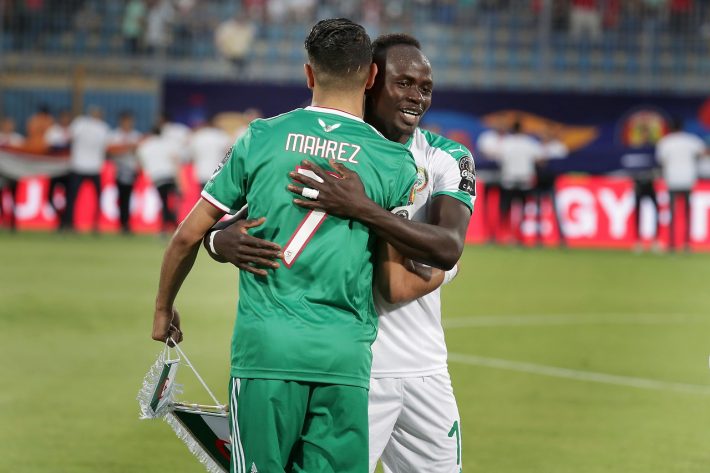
334, 111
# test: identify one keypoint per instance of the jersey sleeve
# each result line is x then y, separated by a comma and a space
227, 188
403, 191
455, 176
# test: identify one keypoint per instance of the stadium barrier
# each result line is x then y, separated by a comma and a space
596, 211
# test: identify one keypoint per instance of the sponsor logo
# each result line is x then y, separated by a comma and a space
460, 148
328, 128
468, 175
223, 162
253, 468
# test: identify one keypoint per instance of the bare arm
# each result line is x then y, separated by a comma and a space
177, 262
438, 243
401, 280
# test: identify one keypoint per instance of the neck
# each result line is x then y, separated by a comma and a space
350, 102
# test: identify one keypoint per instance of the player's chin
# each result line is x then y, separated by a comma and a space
406, 127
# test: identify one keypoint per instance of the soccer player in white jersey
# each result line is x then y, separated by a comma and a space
414, 420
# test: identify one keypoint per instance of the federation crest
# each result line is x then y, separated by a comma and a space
422, 179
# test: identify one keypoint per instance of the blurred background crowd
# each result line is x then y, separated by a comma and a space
125, 96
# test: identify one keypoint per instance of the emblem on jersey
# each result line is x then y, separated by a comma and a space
328, 128
422, 179
460, 148
468, 175
404, 213
223, 162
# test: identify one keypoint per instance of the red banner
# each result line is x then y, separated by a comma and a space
594, 211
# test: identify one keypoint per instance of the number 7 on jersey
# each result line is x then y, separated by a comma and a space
306, 229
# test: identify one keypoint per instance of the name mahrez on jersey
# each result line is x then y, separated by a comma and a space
328, 149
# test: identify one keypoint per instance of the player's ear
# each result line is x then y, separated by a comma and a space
371, 76
310, 78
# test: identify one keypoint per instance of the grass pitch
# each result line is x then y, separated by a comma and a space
562, 361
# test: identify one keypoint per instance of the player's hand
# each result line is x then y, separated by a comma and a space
342, 195
245, 251
166, 325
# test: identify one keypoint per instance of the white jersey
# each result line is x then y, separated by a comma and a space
678, 154
410, 341
518, 155
208, 146
88, 146
158, 159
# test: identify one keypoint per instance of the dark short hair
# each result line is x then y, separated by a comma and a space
339, 51
386, 41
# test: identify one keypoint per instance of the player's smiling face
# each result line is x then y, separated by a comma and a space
401, 94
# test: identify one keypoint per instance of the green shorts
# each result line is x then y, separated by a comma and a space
293, 426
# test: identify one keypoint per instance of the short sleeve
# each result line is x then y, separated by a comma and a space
403, 190
455, 176
227, 188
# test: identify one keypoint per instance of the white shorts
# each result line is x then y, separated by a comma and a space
414, 425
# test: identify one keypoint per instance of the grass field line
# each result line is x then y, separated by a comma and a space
566, 373
572, 319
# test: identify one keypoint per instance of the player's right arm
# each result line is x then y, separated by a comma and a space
177, 262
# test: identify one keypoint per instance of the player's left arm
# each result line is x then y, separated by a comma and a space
438, 243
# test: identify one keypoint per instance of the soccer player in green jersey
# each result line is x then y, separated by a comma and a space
301, 347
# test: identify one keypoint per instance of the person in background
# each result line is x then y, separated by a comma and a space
133, 24
678, 153
233, 39
58, 140
36, 128
89, 138
9, 137
552, 148
159, 160
519, 154
122, 149
488, 146
208, 145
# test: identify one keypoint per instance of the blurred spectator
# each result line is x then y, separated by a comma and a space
133, 25
8, 133
518, 155
157, 31
36, 127
58, 139
585, 20
488, 146
233, 39
208, 146
177, 134
9, 137
88, 150
678, 153
122, 144
552, 149
160, 162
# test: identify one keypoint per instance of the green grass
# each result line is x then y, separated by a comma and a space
76, 312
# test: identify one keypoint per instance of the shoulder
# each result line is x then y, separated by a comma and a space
445, 146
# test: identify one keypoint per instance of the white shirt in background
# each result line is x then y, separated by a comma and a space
58, 136
156, 156
208, 147
126, 163
179, 136
88, 147
11, 139
678, 154
518, 156
554, 149
489, 144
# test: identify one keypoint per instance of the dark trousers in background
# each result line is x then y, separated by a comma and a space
75, 181
509, 197
124, 205
54, 183
674, 196
545, 187
645, 189
10, 186
168, 195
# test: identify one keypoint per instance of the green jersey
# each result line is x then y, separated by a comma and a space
312, 319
